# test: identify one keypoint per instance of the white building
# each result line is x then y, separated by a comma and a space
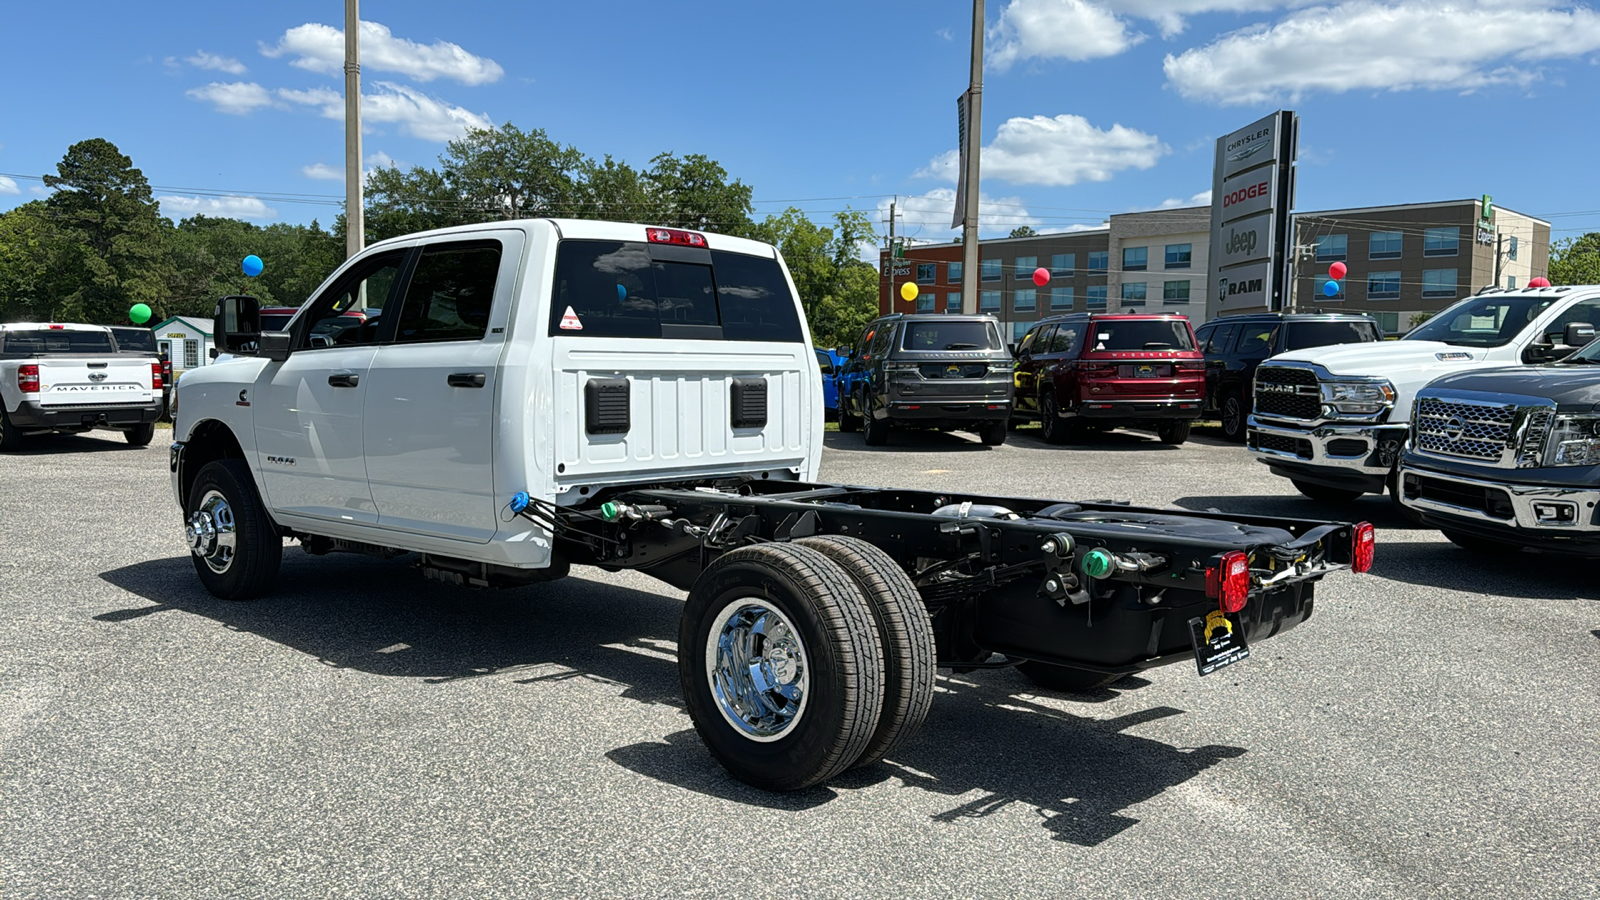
186, 341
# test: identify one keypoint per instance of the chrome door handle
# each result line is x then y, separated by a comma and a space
466, 379
344, 379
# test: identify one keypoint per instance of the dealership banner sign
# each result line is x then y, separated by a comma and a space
1252, 198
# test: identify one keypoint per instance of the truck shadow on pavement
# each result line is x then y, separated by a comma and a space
986, 734
98, 441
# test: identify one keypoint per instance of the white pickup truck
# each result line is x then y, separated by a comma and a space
71, 378
522, 396
1333, 420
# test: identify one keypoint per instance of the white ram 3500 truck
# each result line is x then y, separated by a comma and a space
71, 378
1333, 420
527, 395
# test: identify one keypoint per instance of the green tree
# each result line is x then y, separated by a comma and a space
613, 190
1022, 231
1576, 260
406, 202
35, 256
507, 173
838, 291
694, 192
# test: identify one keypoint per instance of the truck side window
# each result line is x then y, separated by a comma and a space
1255, 341
1221, 339
1065, 340
348, 313
1584, 311
450, 293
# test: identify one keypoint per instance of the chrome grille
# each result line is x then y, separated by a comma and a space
1480, 431
1287, 392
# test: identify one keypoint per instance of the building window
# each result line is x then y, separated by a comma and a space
1513, 249
1175, 293
1438, 282
1097, 296
927, 273
1135, 259
989, 270
925, 301
1511, 282
191, 353
1099, 260
989, 301
952, 302
1384, 245
1061, 298
1064, 263
1018, 329
954, 272
1389, 322
1025, 300
1133, 293
1180, 256
1025, 266
1383, 286
1332, 247
1442, 242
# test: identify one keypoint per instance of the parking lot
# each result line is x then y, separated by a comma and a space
1431, 732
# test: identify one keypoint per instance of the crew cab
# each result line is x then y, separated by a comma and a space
532, 394
1235, 346
1510, 458
1090, 370
71, 379
1333, 419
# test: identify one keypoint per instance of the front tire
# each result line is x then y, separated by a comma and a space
781, 666
1065, 678
140, 435
1323, 493
1173, 432
910, 662
994, 433
1234, 417
235, 547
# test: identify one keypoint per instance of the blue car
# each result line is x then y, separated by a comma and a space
829, 362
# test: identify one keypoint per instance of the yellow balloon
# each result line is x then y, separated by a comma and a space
908, 291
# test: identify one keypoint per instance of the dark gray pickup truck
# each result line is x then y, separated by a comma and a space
1510, 458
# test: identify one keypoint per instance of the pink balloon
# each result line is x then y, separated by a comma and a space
1538, 282
1337, 271
1041, 276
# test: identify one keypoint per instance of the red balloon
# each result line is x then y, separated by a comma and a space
1337, 271
1538, 282
1041, 276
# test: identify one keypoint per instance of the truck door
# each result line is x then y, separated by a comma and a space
1025, 396
308, 408
429, 420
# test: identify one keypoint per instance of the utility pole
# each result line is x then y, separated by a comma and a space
354, 208
1499, 254
969, 224
890, 274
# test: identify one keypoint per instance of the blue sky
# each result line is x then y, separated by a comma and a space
1090, 106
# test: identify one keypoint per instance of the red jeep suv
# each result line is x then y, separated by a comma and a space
1098, 370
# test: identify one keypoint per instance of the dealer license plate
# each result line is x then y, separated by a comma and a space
1218, 641
1145, 372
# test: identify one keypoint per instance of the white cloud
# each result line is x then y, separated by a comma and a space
8, 186
1169, 14
236, 98
1058, 151
322, 172
39, 191
320, 48
378, 159
1201, 199
203, 60
927, 216
1068, 29
231, 207
1363, 45
418, 114
330, 101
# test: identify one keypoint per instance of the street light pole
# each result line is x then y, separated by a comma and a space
354, 209
969, 223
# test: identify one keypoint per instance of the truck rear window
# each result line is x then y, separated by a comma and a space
1140, 334
937, 336
140, 339
615, 289
43, 341
1321, 334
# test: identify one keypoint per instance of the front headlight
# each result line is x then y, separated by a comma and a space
1359, 398
1574, 441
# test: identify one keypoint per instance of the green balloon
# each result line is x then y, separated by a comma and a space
139, 314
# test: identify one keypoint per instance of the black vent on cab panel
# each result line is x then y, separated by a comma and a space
605, 405
749, 402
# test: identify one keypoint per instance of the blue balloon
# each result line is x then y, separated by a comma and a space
253, 265
1331, 288
622, 292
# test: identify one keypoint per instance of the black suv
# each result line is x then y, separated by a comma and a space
1235, 345
944, 372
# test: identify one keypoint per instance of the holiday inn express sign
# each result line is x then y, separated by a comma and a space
1252, 193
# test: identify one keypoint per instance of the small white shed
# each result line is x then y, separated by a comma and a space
186, 340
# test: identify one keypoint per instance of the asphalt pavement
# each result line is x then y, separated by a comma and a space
1434, 731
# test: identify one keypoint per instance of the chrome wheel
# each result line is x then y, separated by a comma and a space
1233, 416
757, 668
212, 533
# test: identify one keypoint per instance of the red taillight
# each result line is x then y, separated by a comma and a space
1191, 365
1093, 369
674, 236
155, 375
58, 328
28, 379
1228, 582
1362, 545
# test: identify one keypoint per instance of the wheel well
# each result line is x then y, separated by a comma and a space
209, 441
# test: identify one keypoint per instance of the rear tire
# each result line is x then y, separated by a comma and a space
1173, 432
993, 434
781, 666
848, 422
1053, 429
235, 547
1234, 417
910, 662
1066, 678
1325, 494
874, 430
140, 435
1475, 544
10, 437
